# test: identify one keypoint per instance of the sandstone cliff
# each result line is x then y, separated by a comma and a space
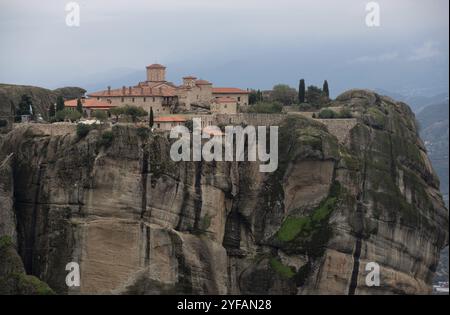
138, 223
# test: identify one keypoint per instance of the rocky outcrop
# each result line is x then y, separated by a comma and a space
10, 95
138, 223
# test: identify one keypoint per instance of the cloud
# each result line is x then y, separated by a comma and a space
376, 58
428, 50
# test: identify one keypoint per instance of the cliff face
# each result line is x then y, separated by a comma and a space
137, 222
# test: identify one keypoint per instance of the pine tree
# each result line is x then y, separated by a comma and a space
151, 119
301, 91
325, 89
59, 103
79, 106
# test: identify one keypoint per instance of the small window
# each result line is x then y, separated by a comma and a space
98, 98
153, 99
132, 99
144, 99
122, 99
239, 99
159, 125
225, 106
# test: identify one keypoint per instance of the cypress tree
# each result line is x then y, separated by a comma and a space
325, 89
151, 119
301, 91
51, 110
59, 103
79, 106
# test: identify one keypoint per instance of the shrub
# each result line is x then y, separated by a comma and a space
5, 241
284, 271
106, 139
143, 132
345, 113
304, 107
327, 114
266, 108
83, 130
66, 113
100, 115
73, 115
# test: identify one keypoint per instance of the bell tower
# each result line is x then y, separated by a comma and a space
156, 73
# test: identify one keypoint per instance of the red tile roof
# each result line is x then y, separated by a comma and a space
163, 90
203, 82
156, 66
170, 119
227, 90
225, 100
89, 103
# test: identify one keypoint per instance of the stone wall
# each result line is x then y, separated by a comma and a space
55, 129
339, 127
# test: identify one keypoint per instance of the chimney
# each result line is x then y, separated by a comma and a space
142, 90
129, 90
109, 90
123, 89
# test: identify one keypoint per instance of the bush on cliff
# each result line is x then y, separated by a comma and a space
266, 108
327, 114
106, 139
83, 130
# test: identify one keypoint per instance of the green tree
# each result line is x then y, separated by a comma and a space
283, 94
134, 112
73, 115
99, 114
116, 111
51, 110
151, 120
315, 97
25, 105
67, 114
59, 103
260, 97
252, 97
301, 91
325, 89
79, 106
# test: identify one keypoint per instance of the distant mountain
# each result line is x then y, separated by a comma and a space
434, 126
434, 123
416, 102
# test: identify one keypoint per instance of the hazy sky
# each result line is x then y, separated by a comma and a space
244, 43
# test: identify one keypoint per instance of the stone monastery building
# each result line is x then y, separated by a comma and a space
165, 97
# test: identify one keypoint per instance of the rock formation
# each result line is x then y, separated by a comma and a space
139, 223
